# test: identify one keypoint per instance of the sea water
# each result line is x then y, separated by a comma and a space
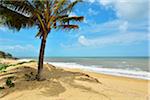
136, 67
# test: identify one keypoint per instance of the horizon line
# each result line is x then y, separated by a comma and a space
85, 56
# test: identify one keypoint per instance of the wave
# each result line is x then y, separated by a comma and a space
25, 60
110, 71
131, 73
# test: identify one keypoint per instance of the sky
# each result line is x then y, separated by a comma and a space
110, 28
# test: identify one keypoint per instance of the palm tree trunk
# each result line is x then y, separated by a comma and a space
41, 59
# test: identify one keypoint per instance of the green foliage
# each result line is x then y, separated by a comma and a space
46, 14
6, 55
20, 63
3, 67
32, 61
1, 87
9, 82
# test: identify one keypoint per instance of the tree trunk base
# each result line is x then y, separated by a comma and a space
40, 78
41, 60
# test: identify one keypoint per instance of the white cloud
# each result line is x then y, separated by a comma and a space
116, 32
85, 20
127, 9
92, 12
132, 16
106, 2
83, 41
72, 14
91, 1
2, 40
27, 47
3, 28
130, 28
115, 39
124, 26
20, 50
131, 11
115, 25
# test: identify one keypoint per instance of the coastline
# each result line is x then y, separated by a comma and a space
107, 71
67, 84
114, 72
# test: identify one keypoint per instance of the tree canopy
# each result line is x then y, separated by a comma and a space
46, 14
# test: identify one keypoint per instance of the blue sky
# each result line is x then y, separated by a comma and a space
110, 28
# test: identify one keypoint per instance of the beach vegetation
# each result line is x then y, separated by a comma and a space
9, 82
3, 67
46, 15
6, 55
2, 87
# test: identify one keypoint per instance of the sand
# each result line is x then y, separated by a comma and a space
69, 84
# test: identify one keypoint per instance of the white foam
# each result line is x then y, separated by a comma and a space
97, 69
25, 60
124, 62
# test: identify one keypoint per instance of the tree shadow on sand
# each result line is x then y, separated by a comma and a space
24, 79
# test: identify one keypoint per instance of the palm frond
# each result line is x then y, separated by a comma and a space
14, 19
67, 27
39, 4
46, 14
74, 18
39, 34
23, 6
59, 5
62, 16
69, 8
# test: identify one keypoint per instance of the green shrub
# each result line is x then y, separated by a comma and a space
9, 82
3, 67
32, 61
20, 63
1, 87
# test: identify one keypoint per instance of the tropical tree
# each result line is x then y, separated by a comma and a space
45, 14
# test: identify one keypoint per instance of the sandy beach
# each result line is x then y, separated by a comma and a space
74, 50
69, 84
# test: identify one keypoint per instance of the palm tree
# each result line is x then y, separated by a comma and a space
45, 14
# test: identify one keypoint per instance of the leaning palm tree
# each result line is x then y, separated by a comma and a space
45, 14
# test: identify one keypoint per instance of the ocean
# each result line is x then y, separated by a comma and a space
134, 67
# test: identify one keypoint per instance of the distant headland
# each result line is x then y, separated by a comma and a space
6, 55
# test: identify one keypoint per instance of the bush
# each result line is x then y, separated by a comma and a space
9, 82
3, 67
1, 88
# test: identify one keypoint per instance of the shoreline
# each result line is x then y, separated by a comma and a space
106, 71
103, 74
71, 84
143, 75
